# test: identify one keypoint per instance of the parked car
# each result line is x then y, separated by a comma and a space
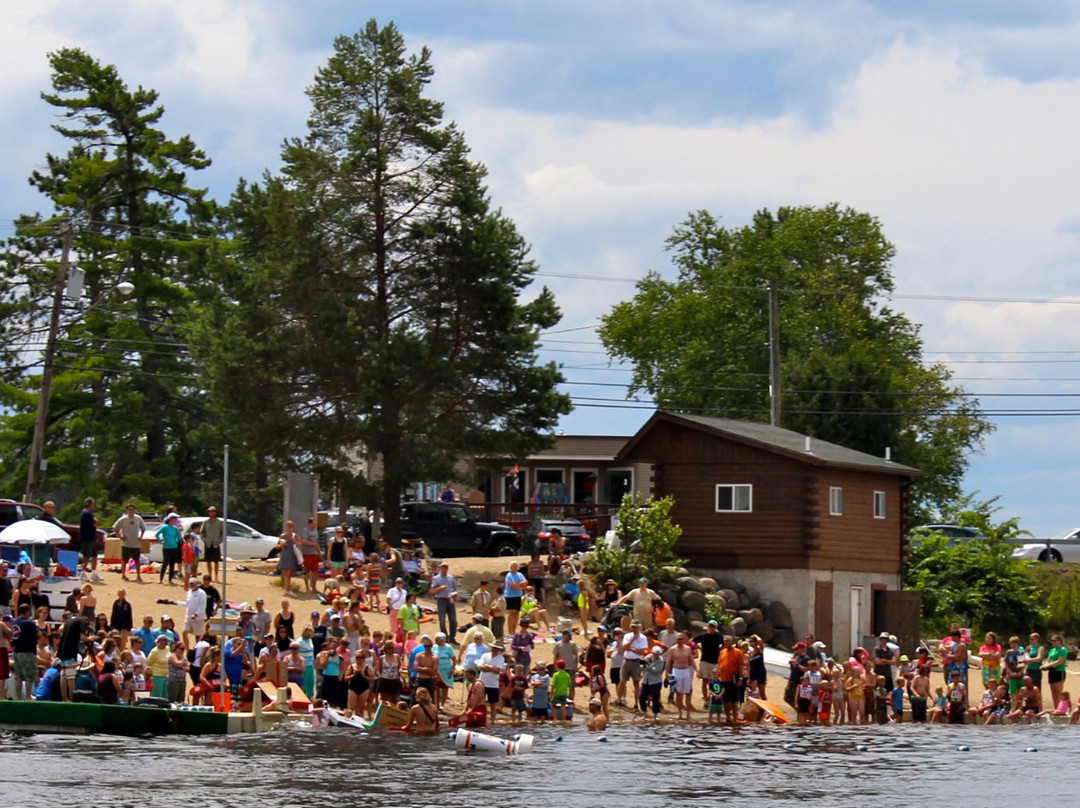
245, 542
954, 533
1063, 546
578, 540
12, 511
448, 528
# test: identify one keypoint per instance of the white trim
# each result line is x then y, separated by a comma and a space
748, 488
883, 511
836, 500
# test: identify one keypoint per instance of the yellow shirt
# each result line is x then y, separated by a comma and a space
157, 661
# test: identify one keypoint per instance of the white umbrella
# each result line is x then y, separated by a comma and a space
34, 531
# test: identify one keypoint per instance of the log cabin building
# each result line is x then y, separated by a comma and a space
816, 525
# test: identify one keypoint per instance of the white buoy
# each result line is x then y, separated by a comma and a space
789, 746
963, 748
1031, 749
862, 748
467, 742
602, 739
689, 742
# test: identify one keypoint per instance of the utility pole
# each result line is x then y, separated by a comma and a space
774, 353
67, 237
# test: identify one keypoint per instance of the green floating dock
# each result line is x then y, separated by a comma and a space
80, 719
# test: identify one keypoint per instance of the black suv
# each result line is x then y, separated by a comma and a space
448, 528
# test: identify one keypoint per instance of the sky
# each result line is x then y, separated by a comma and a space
602, 124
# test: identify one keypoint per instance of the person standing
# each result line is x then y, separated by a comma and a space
213, 537
336, 553
71, 640
514, 590
480, 602
121, 617
129, 528
195, 617
728, 666
7, 589
171, 538
444, 588
309, 549
643, 600
395, 599
88, 536
24, 643
289, 559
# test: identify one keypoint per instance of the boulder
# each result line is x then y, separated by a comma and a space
715, 602
730, 596
736, 627
669, 594
688, 584
698, 627
710, 584
730, 583
744, 602
731, 613
778, 614
695, 617
676, 572
764, 629
751, 616
692, 601
753, 596
682, 622
783, 638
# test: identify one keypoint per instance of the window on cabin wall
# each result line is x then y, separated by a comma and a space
880, 501
734, 498
836, 500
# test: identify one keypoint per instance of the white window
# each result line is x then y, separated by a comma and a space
879, 504
737, 498
836, 500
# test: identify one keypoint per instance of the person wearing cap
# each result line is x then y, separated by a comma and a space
567, 650
168, 629
170, 537
597, 721
491, 666
635, 646
728, 670
129, 528
643, 600
884, 658
261, 618
708, 645
195, 612
444, 587
480, 602
652, 679
395, 599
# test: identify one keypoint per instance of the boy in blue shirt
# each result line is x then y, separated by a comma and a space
896, 700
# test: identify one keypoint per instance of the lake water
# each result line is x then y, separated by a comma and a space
649, 766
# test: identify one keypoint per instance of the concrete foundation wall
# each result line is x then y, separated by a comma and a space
795, 588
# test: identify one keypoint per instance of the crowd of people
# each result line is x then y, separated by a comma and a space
621, 662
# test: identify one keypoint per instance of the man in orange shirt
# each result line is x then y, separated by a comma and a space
728, 666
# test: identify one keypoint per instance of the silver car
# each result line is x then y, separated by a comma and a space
1063, 546
244, 541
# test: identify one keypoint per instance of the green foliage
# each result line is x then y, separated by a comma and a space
1059, 589
127, 416
714, 611
375, 295
968, 510
647, 538
852, 368
977, 583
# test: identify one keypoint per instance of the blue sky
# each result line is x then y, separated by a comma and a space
603, 123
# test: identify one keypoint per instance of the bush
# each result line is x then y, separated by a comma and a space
647, 540
977, 583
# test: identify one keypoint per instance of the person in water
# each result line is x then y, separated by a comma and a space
423, 717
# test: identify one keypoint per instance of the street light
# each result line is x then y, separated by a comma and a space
37, 444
